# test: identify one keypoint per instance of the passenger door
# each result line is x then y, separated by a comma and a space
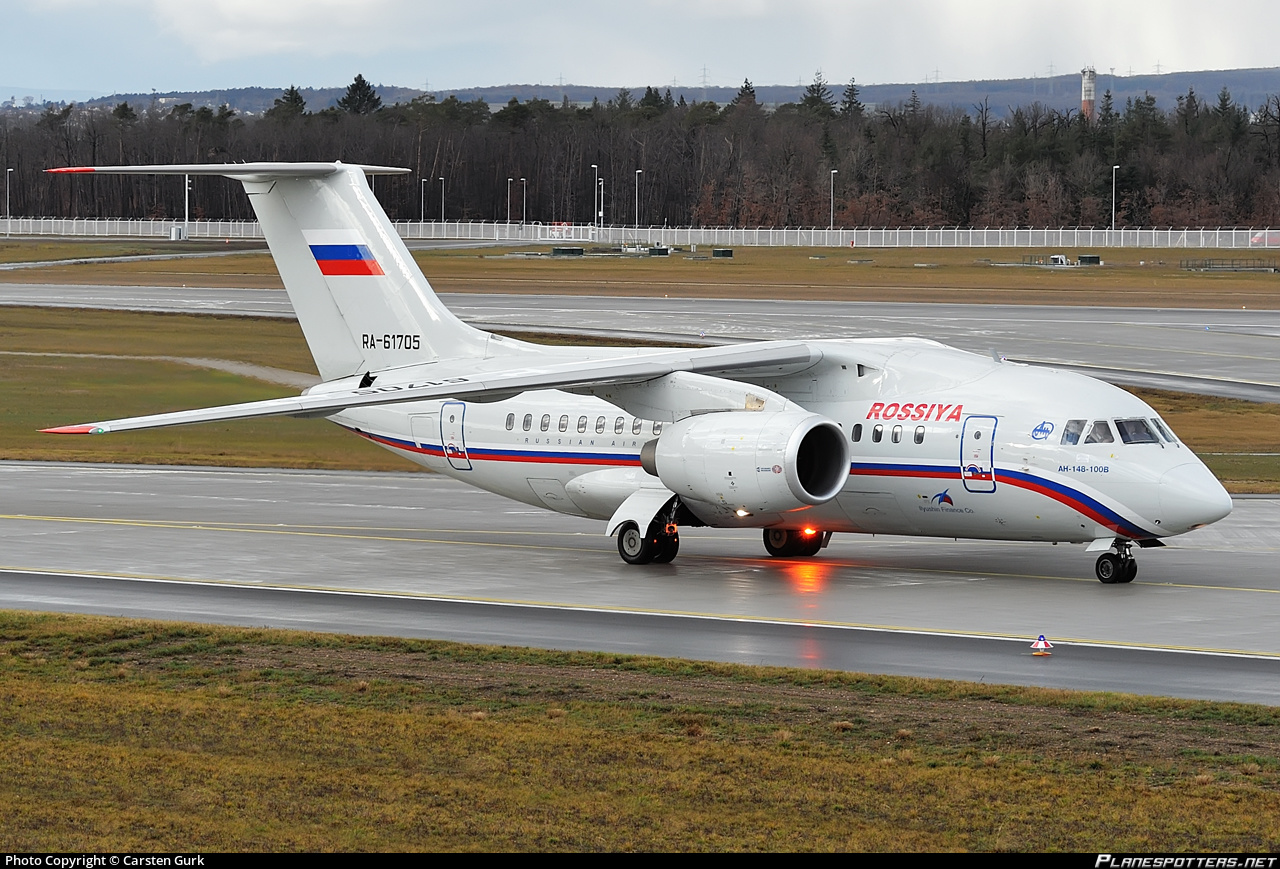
978, 454
452, 416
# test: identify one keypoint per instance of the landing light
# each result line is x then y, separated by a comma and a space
741, 513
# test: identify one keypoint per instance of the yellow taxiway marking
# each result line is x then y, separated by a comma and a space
388, 535
606, 608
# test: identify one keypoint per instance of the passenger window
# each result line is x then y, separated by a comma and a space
511, 421
564, 422
1164, 432
919, 434
546, 421
1136, 431
582, 424
896, 435
857, 432
617, 425
877, 434
635, 425
528, 421
600, 425
657, 428
1100, 433
1071, 433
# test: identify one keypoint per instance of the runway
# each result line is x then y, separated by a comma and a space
1234, 353
421, 555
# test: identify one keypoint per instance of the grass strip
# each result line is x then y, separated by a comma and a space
36, 392
1131, 277
133, 735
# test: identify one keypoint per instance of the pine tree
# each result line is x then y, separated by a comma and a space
290, 104
746, 95
817, 99
850, 106
361, 98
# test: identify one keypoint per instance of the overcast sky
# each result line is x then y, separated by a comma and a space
64, 49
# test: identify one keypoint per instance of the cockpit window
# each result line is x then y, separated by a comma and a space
1072, 431
1164, 431
1136, 431
1100, 433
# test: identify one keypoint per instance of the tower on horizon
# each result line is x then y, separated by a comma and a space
1088, 92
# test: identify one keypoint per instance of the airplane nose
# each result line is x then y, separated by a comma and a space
1191, 496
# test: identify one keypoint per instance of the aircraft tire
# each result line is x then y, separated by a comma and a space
779, 542
634, 547
1130, 568
668, 546
1108, 568
807, 547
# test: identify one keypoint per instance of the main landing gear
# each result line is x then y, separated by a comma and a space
658, 545
781, 543
1117, 567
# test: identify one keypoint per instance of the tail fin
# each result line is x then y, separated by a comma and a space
361, 300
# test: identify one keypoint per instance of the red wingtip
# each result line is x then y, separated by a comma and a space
72, 429
70, 170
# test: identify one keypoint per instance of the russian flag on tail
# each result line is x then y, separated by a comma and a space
341, 252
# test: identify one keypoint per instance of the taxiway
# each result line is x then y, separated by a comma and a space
421, 555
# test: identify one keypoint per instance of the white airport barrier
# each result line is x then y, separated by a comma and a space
1207, 238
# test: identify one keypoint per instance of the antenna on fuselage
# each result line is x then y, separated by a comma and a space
998, 357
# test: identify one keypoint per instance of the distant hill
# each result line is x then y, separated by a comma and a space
1248, 86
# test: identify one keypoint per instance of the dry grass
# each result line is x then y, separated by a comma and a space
41, 391
182, 737
1130, 278
25, 250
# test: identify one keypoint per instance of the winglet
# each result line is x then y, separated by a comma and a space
76, 429
70, 170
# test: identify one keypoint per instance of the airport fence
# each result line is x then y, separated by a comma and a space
1219, 238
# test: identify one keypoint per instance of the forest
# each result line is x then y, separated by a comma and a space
828, 157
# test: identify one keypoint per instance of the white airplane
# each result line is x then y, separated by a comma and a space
798, 438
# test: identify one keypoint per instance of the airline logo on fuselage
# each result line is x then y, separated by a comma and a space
916, 411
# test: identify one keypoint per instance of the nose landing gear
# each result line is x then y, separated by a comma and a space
658, 546
1117, 567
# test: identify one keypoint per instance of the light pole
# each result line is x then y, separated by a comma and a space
595, 187
600, 184
186, 207
639, 172
524, 202
442, 200
508, 200
8, 215
422, 201
832, 222
1113, 197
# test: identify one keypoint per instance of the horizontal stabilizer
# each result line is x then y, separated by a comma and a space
238, 171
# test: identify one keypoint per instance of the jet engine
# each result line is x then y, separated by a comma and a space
751, 461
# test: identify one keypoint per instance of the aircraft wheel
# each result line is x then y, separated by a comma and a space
634, 547
668, 546
1108, 568
1130, 570
807, 547
779, 542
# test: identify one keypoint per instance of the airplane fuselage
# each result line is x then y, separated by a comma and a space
943, 443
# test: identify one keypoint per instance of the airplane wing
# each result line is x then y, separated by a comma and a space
717, 361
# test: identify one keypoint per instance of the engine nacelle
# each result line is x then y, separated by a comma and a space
758, 462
